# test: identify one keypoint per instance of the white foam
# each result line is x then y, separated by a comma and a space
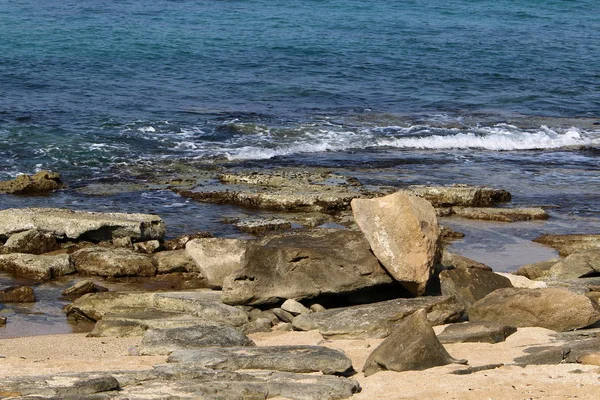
147, 129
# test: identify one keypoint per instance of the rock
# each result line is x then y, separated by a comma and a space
556, 309
579, 264
37, 267
17, 294
501, 214
165, 341
2, 321
65, 386
377, 320
123, 242
461, 195
283, 315
481, 332
472, 370
258, 325
284, 327
294, 307
537, 270
452, 261
522, 282
216, 258
404, 234
303, 266
83, 287
81, 225
568, 244
112, 328
300, 359
180, 242
149, 247
259, 226
570, 352
32, 242
112, 262
317, 308
41, 183
173, 261
412, 346
468, 285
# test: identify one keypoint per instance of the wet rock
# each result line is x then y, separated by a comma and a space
472, 370
180, 242
469, 285
93, 306
537, 270
501, 214
411, 346
17, 294
81, 225
577, 265
37, 267
173, 261
41, 183
461, 195
259, 226
404, 234
294, 307
112, 262
216, 258
556, 309
149, 247
300, 359
568, 244
165, 341
452, 261
571, 352
481, 332
522, 282
303, 266
377, 320
449, 234
66, 386
83, 287
32, 242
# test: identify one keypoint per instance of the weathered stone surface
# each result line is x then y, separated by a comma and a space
404, 234
94, 306
377, 320
117, 328
522, 282
294, 307
148, 247
451, 261
501, 214
468, 285
32, 242
2, 321
411, 346
173, 261
37, 267
258, 325
277, 358
317, 308
556, 309
83, 287
283, 315
461, 195
165, 341
571, 352
41, 183
260, 225
66, 386
17, 294
81, 225
302, 266
568, 244
577, 265
537, 270
180, 242
112, 262
485, 332
216, 258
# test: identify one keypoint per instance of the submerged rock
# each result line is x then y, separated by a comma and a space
480, 332
41, 183
109, 262
17, 294
216, 258
83, 287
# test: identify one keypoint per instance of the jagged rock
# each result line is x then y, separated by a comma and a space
411, 346
501, 214
468, 285
294, 307
65, 386
484, 332
81, 225
277, 358
258, 226
404, 234
83, 287
451, 261
32, 242
149, 247
112, 262
377, 320
41, 183
303, 266
568, 244
37, 267
180, 242
522, 282
577, 265
173, 261
449, 234
461, 195
556, 309
216, 258
165, 341
537, 270
17, 294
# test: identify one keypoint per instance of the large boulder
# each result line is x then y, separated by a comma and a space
411, 346
556, 309
113, 262
41, 183
577, 265
37, 267
461, 195
567, 244
377, 320
81, 224
404, 234
32, 241
216, 258
468, 285
303, 266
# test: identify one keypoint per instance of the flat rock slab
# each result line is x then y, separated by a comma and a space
109, 262
37, 267
501, 214
567, 244
480, 332
299, 359
572, 352
461, 195
59, 386
377, 320
81, 225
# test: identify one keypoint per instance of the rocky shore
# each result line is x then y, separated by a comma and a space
348, 292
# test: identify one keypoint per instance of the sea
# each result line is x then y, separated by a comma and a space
501, 93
